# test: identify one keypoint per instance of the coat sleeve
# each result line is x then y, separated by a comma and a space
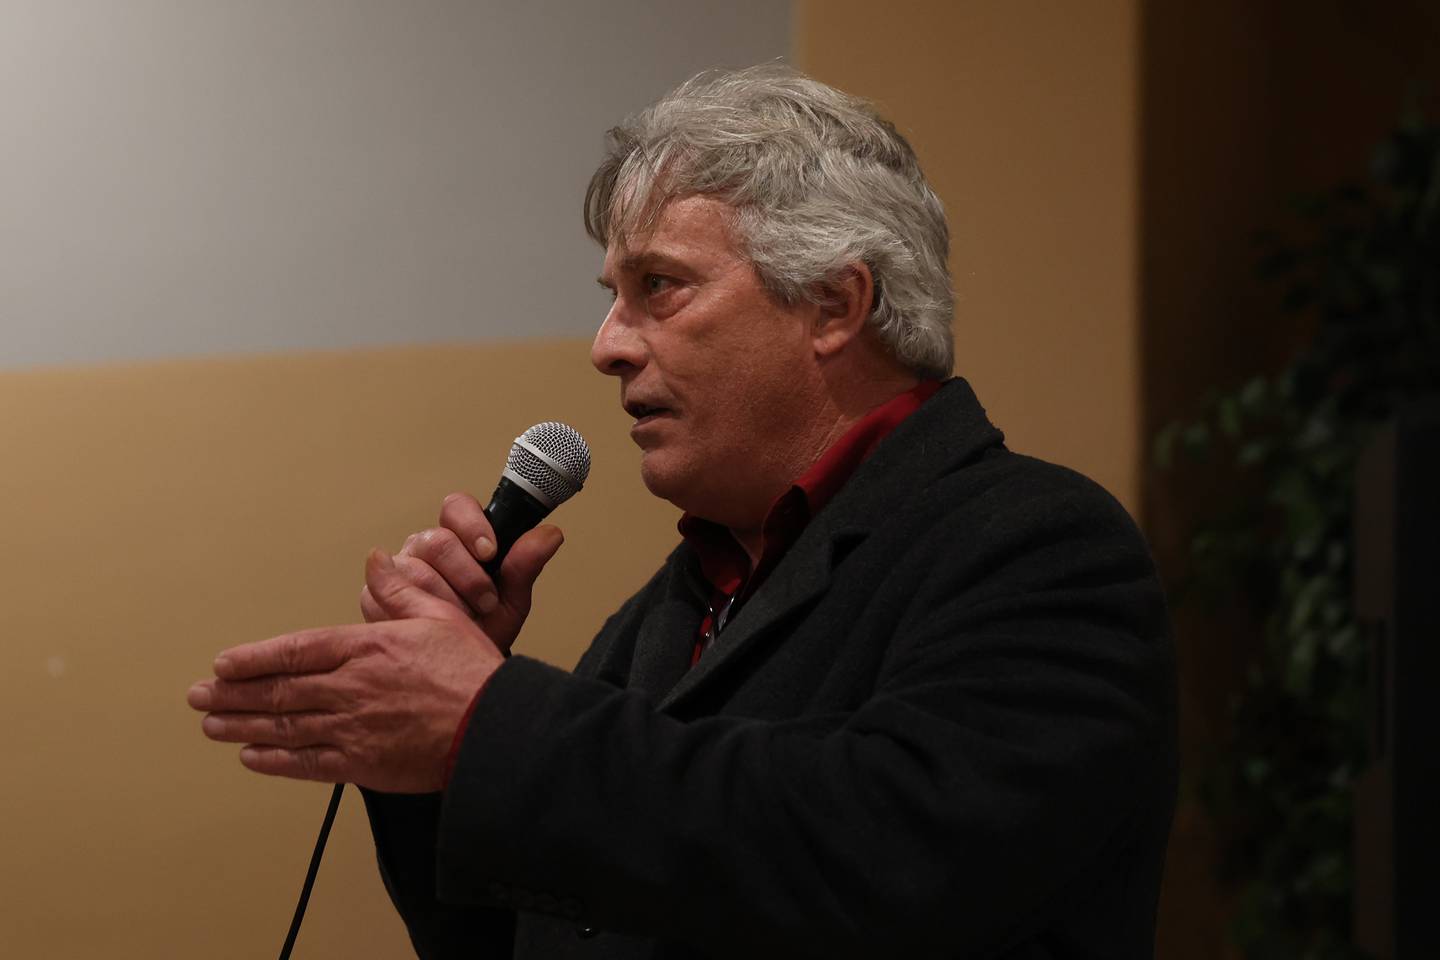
1021, 721
404, 827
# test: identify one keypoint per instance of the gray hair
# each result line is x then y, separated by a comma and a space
817, 181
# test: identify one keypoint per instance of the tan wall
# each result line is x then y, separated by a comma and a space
1024, 120
151, 515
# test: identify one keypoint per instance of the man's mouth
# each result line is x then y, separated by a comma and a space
644, 411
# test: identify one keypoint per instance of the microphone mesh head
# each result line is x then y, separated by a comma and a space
553, 458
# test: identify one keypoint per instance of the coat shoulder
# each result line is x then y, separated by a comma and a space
1003, 491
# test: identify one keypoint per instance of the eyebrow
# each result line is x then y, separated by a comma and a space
644, 259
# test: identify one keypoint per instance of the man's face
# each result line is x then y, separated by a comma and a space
718, 376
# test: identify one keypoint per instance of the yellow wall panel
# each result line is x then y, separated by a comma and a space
1024, 116
153, 514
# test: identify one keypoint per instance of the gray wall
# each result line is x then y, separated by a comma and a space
212, 176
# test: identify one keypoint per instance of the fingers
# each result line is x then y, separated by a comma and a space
463, 514
399, 598
308, 651
313, 728
438, 562
273, 694
326, 764
384, 717
449, 563
369, 609
523, 564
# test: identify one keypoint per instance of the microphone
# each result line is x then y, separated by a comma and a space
547, 465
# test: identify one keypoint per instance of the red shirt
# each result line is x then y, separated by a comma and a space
726, 565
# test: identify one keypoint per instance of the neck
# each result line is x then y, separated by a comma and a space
837, 405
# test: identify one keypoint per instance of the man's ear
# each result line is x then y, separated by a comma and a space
844, 309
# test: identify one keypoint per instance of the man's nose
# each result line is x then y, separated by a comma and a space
617, 348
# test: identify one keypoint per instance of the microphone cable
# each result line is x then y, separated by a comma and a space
310, 874
547, 465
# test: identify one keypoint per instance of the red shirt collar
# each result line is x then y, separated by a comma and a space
725, 563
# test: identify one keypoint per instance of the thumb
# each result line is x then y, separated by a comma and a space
398, 597
523, 564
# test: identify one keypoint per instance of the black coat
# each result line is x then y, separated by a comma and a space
943, 727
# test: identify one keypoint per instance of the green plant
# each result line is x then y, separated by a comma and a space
1364, 266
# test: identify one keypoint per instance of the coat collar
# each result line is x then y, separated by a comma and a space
950, 429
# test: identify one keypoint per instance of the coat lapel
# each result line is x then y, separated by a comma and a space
948, 430
800, 578
666, 637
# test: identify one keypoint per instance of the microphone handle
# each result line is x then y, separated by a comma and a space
512, 511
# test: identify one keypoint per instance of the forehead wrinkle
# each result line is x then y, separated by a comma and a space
675, 244
636, 232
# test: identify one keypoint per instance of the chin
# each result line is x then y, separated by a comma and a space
664, 478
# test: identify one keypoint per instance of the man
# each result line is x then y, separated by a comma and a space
899, 691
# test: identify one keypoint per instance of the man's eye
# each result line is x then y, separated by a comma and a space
654, 283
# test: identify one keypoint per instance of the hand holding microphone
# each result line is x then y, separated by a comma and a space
461, 559
377, 704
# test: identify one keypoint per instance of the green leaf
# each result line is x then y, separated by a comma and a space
1228, 416
1306, 601
1385, 277
1364, 270
1196, 440
1164, 449
1254, 452
1343, 639
1254, 394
